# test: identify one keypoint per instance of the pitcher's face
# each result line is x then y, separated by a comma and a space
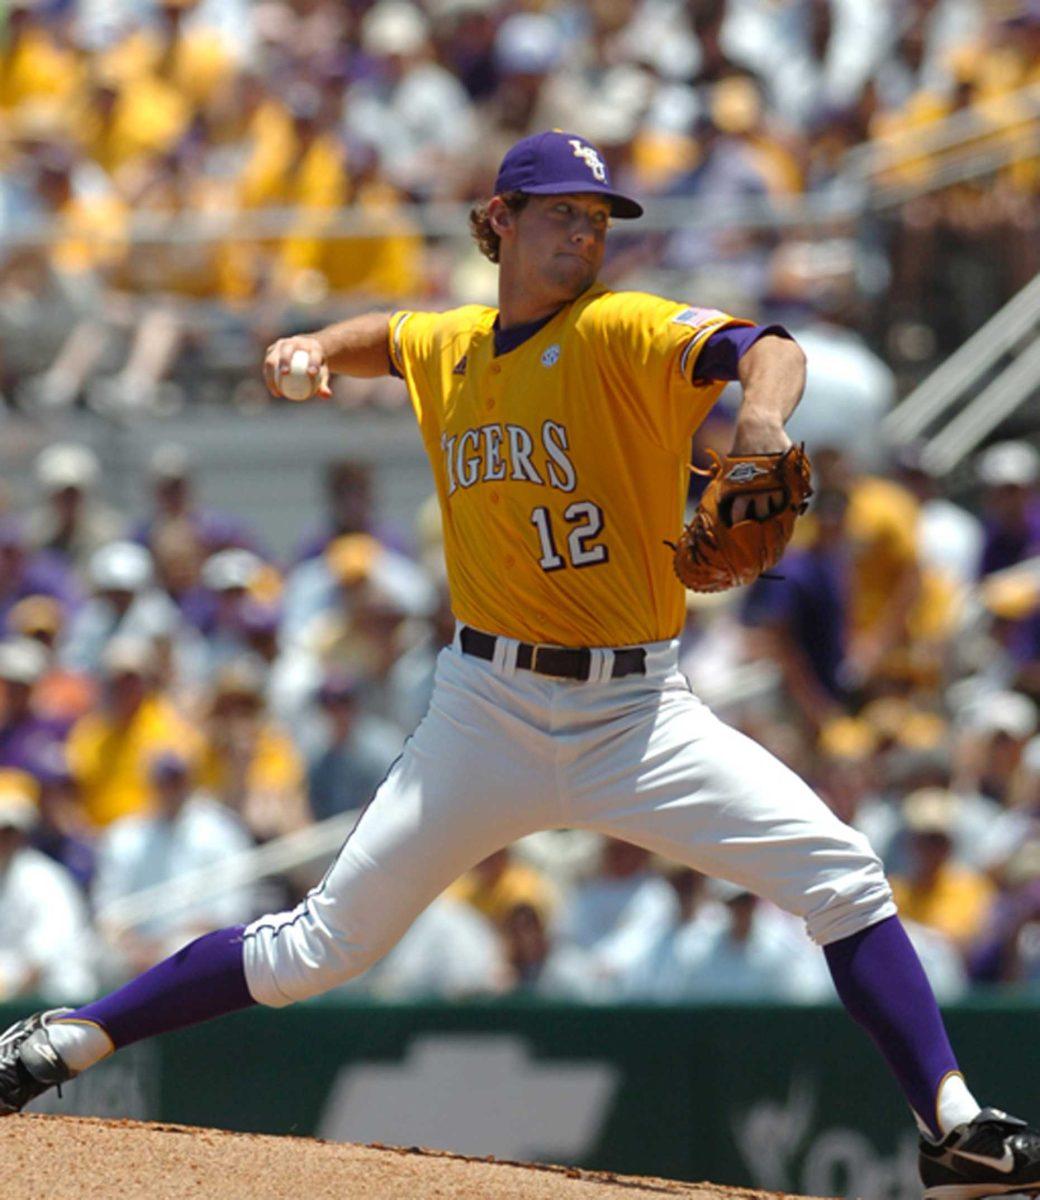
555, 244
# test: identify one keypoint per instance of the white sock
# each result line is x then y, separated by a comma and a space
955, 1105
80, 1043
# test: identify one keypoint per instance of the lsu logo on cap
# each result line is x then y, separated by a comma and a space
590, 158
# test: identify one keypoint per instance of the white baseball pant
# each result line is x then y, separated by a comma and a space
504, 752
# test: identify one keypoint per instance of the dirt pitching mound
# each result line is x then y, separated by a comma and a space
73, 1158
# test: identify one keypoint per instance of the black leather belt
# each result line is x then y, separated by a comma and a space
560, 661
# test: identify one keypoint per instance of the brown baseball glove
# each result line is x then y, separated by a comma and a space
713, 554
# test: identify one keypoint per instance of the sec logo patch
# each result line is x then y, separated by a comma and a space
551, 355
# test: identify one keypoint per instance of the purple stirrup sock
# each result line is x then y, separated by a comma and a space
204, 979
882, 984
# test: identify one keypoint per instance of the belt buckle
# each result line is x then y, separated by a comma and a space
549, 672
535, 651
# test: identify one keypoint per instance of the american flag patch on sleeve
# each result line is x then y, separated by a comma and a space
697, 316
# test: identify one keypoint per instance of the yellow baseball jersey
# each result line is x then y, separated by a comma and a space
561, 465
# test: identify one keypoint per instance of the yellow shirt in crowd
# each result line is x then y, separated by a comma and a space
195, 63
882, 526
34, 67
111, 762
518, 884
274, 765
957, 904
147, 116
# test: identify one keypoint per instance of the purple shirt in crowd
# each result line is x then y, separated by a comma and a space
75, 854
43, 574
810, 602
26, 742
314, 542
215, 531
1004, 546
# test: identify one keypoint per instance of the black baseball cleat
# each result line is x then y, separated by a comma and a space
991, 1156
29, 1064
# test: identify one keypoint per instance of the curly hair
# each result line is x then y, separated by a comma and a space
480, 223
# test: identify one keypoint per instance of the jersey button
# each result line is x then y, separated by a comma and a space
496, 369
490, 405
494, 497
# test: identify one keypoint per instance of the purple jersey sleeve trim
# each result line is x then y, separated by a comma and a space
720, 354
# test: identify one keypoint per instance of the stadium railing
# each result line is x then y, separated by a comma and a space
1006, 334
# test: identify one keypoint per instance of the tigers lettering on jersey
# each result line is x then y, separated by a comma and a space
492, 453
561, 465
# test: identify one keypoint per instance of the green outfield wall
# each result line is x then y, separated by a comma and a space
791, 1099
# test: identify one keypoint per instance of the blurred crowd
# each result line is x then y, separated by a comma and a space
175, 695
181, 180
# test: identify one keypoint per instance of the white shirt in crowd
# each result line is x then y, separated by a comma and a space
44, 932
140, 851
450, 950
702, 960
614, 919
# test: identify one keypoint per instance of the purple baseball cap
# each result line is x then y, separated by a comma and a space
557, 163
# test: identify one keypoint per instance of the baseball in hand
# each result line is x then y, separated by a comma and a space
297, 384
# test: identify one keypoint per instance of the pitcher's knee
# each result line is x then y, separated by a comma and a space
849, 893
294, 955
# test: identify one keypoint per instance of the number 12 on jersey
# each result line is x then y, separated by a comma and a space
587, 521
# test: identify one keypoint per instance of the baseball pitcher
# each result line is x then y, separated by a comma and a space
558, 428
